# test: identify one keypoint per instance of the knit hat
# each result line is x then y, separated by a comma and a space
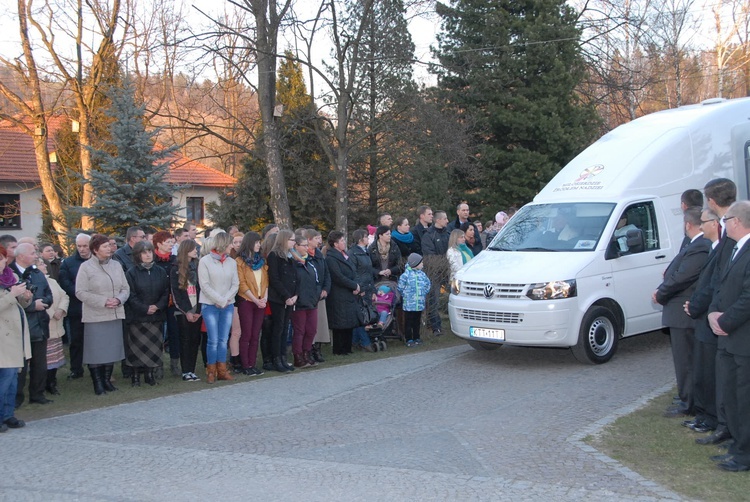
414, 260
384, 289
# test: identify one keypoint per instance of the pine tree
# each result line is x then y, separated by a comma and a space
130, 187
512, 68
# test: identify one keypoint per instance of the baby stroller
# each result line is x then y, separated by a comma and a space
388, 329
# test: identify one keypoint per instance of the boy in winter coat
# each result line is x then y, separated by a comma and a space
413, 286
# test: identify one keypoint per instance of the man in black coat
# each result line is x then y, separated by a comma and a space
124, 255
434, 246
24, 267
68, 274
729, 318
424, 220
676, 288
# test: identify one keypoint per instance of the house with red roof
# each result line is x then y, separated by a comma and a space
21, 193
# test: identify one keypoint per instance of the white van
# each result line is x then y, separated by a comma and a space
577, 266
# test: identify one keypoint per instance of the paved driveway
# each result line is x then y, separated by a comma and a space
453, 424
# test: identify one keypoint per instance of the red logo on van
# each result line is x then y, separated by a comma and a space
589, 172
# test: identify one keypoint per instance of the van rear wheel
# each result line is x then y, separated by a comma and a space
597, 338
484, 345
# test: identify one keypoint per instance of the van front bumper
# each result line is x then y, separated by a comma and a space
544, 323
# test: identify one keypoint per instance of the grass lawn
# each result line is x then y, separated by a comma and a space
662, 449
78, 395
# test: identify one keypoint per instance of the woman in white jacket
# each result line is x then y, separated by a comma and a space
219, 282
458, 252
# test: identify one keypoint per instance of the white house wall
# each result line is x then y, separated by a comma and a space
31, 209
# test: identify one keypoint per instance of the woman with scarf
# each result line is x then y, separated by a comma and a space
163, 243
253, 298
145, 313
185, 292
473, 241
282, 295
102, 288
322, 334
385, 256
15, 344
458, 252
305, 314
217, 275
404, 239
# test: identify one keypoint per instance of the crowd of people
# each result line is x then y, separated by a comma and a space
229, 296
705, 298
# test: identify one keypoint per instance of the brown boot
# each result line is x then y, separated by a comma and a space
222, 373
210, 373
300, 361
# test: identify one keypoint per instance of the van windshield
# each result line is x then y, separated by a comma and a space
554, 227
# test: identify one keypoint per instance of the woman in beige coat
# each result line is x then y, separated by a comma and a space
103, 290
15, 344
57, 312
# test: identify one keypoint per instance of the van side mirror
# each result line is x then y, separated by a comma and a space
636, 241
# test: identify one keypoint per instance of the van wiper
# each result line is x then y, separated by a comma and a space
536, 249
499, 248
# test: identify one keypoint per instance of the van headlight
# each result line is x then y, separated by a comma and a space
455, 286
552, 290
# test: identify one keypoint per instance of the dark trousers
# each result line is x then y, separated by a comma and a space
37, 369
341, 341
433, 308
266, 334
173, 333
412, 324
704, 382
734, 374
76, 345
280, 316
682, 355
190, 342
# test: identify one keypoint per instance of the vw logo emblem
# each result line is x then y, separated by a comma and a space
489, 291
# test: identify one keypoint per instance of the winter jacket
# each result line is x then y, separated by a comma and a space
68, 273
219, 280
53, 268
320, 264
60, 301
124, 256
341, 305
363, 264
147, 287
308, 285
38, 319
15, 343
95, 283
180, 296
413, 286
282, 278
418, 230
249, 281
394, 261
435, 241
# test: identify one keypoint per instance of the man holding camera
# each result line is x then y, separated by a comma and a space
36, 313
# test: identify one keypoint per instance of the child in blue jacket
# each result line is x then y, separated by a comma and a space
413, 286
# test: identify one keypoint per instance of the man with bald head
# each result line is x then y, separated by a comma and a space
68, 273
38, 321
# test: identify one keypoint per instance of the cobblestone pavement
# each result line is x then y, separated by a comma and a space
452, 424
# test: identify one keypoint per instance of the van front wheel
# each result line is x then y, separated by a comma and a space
597, 339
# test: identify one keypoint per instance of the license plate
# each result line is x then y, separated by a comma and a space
494, 334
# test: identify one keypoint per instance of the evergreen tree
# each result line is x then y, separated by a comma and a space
512, 67
130, 187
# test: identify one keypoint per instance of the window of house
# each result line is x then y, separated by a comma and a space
10, 211
195, 210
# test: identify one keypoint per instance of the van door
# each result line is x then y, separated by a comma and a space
638, 271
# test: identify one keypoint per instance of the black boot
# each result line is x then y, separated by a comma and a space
96, 378
280, 366
317, 354
268, 365
108, 369
287, 363
236, 364
149, 377
52, 382
135, 378
127, 371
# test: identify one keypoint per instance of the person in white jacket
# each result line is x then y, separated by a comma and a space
219, 282
458, 252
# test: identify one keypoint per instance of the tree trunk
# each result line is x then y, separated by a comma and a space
84, 142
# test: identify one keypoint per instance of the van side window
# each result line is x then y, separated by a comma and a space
640, 217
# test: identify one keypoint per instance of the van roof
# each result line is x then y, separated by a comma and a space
655, 154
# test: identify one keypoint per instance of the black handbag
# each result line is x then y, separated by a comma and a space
366, 313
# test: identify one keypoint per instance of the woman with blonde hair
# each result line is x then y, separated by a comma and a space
217, 274
458, 252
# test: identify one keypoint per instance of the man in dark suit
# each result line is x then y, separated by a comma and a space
704, 348
729, 318
676, 288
